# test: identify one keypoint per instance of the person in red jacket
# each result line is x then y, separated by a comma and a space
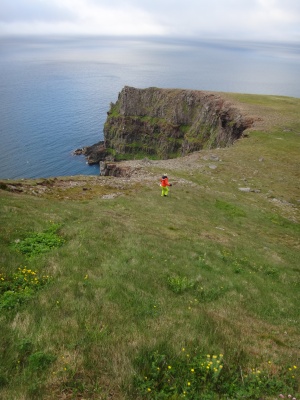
164, 183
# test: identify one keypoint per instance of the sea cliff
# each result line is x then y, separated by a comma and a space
167, 123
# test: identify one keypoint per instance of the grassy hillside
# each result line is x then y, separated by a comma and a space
136, 296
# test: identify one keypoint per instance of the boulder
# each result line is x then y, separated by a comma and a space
94, 154
114, 169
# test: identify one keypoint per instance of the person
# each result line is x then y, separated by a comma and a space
164, 183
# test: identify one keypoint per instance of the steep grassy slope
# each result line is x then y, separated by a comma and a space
142, 288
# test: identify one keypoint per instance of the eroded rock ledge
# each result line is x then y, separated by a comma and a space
167, 123
94, 154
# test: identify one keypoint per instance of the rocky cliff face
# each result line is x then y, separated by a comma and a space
166, 123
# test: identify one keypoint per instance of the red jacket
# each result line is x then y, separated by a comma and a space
164, 182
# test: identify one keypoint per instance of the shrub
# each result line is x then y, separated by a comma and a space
40, 361
180, 284
20, 287
207, 377
40, 242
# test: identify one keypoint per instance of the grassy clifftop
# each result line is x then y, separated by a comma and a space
109, 291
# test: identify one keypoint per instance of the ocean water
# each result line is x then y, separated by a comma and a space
55, 93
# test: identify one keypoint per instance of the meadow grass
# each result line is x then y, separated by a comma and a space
138, 278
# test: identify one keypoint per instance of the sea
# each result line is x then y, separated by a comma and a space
55, 91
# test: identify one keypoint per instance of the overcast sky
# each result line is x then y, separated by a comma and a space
277, 20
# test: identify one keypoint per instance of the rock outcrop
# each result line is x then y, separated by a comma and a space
94, 154
162, 124
167, 123
114, 169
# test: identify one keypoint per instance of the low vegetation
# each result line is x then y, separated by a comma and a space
135, 296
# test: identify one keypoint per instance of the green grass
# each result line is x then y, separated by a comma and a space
39, 242
138, 278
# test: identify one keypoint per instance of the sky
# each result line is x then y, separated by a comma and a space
258, 20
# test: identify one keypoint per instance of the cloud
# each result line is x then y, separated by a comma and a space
77, 17
234, 19
33, 10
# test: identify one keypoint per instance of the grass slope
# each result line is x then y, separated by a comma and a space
141, 284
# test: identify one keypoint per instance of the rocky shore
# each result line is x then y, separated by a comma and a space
94, 154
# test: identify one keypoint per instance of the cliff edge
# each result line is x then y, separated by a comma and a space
167, 123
